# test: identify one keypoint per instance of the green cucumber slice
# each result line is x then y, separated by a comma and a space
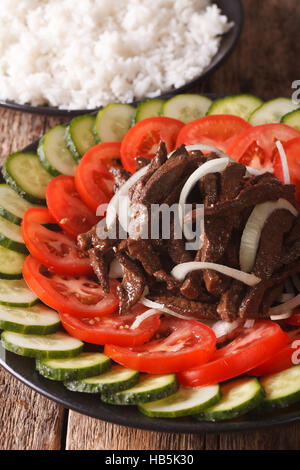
149, 388
79, 137
238, 398
282, 389
272, 111
15, 293
54, 154
84, 365
10, 236
292, 119
238, 105
11, 264
113, 122
25, 174
148, 108
117, 379
187, 401
186, 108
13, 206
54, 346
36, 320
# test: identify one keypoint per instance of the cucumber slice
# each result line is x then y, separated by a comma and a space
13, 206
37, 320
15, 293
283, 388
54, 154
112, 122
292, 119
238, 398
187, 401
272, 111
55, 346
117, 379
25, 174
149, 388
186, 108
10, 236
238, 105
11, 264
79, 137
148, 108
86, 364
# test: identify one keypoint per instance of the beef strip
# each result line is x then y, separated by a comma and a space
120, 177
133, 283
100, 263
141, 162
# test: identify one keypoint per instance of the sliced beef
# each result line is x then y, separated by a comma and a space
120, 177
100, 263
228, 307
133, 283
141, 162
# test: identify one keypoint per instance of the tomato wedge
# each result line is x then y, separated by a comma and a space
286, 357
113, 328
216, 130
292, 151
93, 181
178, 344
79, 295
256, 146
252, 347
66, 207
55, 250
143, 139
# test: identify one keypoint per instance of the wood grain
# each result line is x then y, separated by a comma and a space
265, 63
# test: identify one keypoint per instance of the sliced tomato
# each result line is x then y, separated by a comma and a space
178, 344
252, 347
286, 357
216, 130
93, 181
256, 146
80, 295
66, 207
56, 250
143, 139
292, 151
113, 329
294, 319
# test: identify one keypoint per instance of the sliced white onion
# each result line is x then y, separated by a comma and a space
163, 309
143, 317
284, 310
252, 231
256, 172
116, 270
113, 208
181, 270
249, 323
284, 163
223, 328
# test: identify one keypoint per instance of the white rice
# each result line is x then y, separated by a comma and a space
88, 53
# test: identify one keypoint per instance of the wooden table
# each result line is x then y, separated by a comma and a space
266, 62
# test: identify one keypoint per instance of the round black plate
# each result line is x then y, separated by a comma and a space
232, 9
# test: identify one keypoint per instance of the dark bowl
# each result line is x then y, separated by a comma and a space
233, 9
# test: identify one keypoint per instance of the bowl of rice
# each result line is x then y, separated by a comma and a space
66, 57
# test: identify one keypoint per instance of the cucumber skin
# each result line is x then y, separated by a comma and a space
10, 277
180, 413
71, 146
235, 413
21, 304
9, 216
95, 132
27, 352
142, 397
12, 245
29, 329
140, 106
44, 162
71, 374
216, 102
78, 386
12, 183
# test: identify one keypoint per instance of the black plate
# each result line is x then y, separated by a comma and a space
232, 9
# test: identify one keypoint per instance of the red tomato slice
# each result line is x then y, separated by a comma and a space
294, 319
256, 146
143, 139
55, 250
286, 357
65, 205
178, 344
79, 295
252, 347
93, 181
113, 328
216, 130
292, 151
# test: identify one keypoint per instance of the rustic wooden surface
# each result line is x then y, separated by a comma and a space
266, 62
